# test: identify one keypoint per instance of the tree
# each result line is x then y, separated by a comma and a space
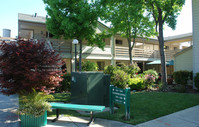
164, 11
75, 19
28, 65
127, 17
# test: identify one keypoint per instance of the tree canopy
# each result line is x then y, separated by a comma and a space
164, 12
127, 18
75, 19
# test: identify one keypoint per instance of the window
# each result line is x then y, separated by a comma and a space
101, 65
119, 42
50, 35
27, 34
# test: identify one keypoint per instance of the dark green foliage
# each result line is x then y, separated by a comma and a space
127, 17
151, 72
89, 66
181, 77
119, 79
191, 75
180, 88
196, 81
75, 19
64, 84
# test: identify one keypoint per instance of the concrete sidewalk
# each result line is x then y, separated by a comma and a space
8, 106
185, 118
82, 122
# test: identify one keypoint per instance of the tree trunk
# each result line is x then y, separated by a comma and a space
130, 51
80, 56
162, 55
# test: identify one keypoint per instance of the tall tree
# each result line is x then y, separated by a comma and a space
127, 17
74, 19
164, 11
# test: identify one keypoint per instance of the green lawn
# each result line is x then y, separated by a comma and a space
144, 106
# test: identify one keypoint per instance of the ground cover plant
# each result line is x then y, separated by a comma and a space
145, 106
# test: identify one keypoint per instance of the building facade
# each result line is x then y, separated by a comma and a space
115, 51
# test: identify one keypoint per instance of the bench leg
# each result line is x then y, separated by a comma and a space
91, 119
57, 116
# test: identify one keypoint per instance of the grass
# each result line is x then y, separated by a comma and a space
145, 106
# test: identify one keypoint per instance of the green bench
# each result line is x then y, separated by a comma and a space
90, 108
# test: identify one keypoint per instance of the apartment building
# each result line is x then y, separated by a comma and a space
115, 51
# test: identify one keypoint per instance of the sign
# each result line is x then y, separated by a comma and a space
121, 96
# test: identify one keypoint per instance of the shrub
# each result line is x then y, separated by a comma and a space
149, 80
181, 77
191, 75
151, 72
180, 88
64, 84
136, 83
196, 81
131, 69
119, 79
89, 66
26, 65
110, 69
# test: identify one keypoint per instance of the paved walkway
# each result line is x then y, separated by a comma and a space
8, 105
185, 118
82, 122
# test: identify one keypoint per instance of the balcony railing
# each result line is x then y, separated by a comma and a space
144, 53
61, 46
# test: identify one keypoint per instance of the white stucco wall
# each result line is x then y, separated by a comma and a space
184, 60
195, 7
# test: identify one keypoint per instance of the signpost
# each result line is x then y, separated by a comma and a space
121, 96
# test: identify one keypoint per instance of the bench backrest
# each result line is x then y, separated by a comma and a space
121, 96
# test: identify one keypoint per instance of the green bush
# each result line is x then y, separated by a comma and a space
131, 69
110, 69
196, 80
149, 80
137, 83
64, 84
180, 88
151, 72
89, 66
181, 77
191, 75
120, 79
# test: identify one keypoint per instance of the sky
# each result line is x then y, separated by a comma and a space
10, 8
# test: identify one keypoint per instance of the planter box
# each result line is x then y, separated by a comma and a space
31, 121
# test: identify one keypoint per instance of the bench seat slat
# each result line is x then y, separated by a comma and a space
78, 107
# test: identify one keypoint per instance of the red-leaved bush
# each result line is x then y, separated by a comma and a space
28, 65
